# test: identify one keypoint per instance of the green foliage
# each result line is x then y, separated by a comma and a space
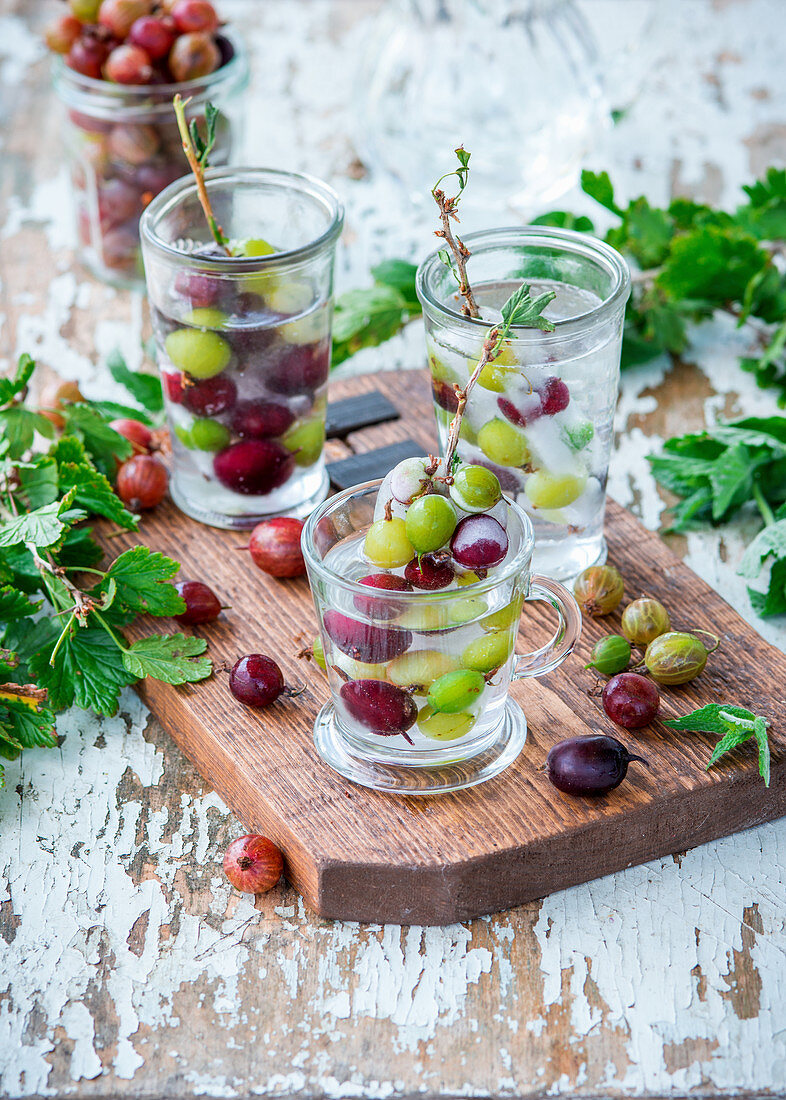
734, 725
367, 318
720, 471
146, 389
65, 639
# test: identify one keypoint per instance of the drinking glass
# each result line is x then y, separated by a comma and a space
419, 680
541, 415
243, 342
123, 147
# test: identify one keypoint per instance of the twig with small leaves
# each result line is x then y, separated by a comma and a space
447, 212
197, 153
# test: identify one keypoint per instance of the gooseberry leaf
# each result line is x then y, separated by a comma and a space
95, 494
103, 444
88, 670
707, 719
142, 577
42, 527
172, 658
769, 542
524, 311
599, 187
15, 604
145, 388
10, 387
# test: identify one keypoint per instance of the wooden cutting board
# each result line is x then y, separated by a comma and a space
359, 855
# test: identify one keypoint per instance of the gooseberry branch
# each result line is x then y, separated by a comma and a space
197, 166
447, 211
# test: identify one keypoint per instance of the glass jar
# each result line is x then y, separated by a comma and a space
518, 84
541, 415
243, 343
123, 148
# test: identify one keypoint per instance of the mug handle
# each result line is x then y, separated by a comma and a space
568, 632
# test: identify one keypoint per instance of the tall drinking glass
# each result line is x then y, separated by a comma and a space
243, 342
541, 415
420, 679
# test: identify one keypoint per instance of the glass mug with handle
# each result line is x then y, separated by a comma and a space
420, 680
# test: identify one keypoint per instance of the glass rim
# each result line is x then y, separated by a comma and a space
186, 186
516, 566
567, 240
80, 89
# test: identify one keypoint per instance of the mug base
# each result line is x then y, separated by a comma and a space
243, 522
415, 779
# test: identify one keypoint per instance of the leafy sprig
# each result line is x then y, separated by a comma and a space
448, 207
62, 618
197, 152
734, 725
724, 469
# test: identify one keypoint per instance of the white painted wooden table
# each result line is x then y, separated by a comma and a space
129, 966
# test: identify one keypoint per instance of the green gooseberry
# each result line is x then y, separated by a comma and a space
209, 435
440, 726
610, 655
202, 354
306, 440
490, 652
455, 691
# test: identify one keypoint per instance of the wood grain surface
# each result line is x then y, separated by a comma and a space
357, 854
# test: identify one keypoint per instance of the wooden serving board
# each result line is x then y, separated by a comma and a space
360, 855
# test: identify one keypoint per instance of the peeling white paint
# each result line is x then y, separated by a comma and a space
106, 942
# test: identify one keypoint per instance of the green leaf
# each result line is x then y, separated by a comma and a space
31, 727
760, 733
79, 549
707, 719
711, 264
598, 186
646, 233
523, 311
366, 318
773, 601
102, 443
10, 387
144, 388
142, 577
38, 481
43, 526
564, 219
95, 494
171, 658
772, 540
19, 426
113, 410
88, 671
400, 275
15, 605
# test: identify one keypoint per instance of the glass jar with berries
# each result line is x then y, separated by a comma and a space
121, 63
542, 411
243, 338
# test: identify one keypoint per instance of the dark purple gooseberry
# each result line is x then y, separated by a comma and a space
383, 708
554, 396
374, 607
253, 466
373, 645
211, 396
516, 416
479, 542
444, 395
202, 604
630, 700
589, 765
261, 419
429, 571
256, 680
300, 369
